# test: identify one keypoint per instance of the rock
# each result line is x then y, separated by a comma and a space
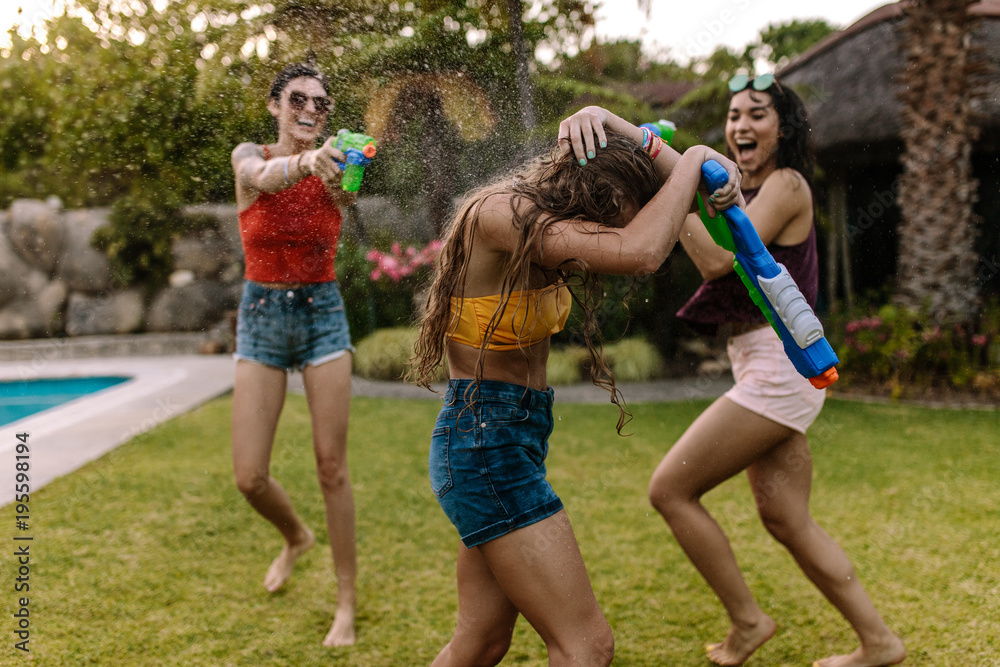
37, 232
227, 226
713, 367
181, 278
204, 254
221, 337
35, 317
81, 266
232, 274
114, 313
192, 307
17, 278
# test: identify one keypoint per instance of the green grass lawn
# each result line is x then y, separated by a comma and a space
150, 556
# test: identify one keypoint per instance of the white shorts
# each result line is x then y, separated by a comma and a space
767, 382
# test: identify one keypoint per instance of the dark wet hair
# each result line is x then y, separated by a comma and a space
795, 146
294, 71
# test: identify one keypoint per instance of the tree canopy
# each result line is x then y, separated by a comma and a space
149, 96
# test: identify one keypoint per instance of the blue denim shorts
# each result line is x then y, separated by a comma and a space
487, 458
292, 328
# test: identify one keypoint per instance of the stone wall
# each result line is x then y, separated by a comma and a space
53, 282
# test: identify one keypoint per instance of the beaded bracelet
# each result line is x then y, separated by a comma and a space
655, 149
646, 139
287, 180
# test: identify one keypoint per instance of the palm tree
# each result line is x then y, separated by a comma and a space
515, 12
937, 191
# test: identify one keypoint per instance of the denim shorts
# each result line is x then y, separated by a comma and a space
292, 328
487, 458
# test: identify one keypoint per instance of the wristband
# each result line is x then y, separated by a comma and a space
287, 180
657, 144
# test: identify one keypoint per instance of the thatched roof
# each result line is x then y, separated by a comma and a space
851, 79
660, 94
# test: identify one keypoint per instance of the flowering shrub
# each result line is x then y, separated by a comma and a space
901, 351
398, 263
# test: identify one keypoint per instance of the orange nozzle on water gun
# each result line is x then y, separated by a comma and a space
826, 378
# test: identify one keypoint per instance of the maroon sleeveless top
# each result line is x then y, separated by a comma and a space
725, 299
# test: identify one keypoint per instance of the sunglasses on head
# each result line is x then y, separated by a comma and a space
299, 100
741, 82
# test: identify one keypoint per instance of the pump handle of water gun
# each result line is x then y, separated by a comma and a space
772, 289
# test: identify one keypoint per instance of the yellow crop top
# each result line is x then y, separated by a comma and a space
529, 317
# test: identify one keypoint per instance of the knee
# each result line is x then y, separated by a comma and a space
664, 495
252, 483
604, 647
332, 473
494, 651
782, 526
596, 647
484, 651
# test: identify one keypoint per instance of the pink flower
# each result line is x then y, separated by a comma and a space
979, 340
399, 263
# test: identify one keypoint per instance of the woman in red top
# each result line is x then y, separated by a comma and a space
292, 316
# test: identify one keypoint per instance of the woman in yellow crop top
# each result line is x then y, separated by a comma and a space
500, 291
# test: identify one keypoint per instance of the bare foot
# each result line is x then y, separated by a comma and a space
282, 566
342, 632
892, 652
741, 642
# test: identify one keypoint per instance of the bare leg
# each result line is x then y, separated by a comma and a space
537, 570
328, 389
486, 616
781, 481
722, 441
258, 396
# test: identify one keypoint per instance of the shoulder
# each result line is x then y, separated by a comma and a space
788, 182
495, 213
247, 150
788, 186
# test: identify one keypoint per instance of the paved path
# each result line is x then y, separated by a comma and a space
684, 389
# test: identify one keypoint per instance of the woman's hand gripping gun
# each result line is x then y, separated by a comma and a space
771, 287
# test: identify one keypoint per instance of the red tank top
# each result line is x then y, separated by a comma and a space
291, 236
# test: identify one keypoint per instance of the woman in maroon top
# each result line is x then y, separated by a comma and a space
291, 317
759, 426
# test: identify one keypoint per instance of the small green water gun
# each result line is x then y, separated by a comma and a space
359, 149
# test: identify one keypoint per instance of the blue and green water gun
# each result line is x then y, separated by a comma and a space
771, 287
359, 149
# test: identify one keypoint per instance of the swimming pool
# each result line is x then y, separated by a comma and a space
22, 398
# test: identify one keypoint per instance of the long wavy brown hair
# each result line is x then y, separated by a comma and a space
619, 180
